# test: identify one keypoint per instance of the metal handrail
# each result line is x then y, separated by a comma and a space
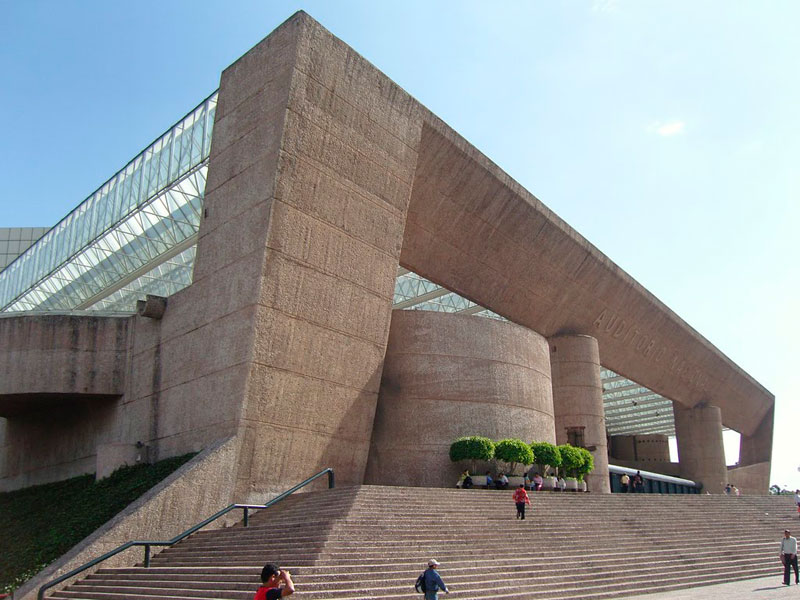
148, 543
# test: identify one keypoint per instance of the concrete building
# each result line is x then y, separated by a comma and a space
288, 220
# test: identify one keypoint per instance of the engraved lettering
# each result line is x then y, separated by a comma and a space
618, 331
629, 335
599, 320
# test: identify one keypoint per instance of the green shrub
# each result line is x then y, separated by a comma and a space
588, 464
513, 451
40, 523
472, 448
546, 455
572, 459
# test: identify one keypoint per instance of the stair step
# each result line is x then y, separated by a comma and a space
370, 542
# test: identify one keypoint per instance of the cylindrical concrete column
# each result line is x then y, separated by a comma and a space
701, 452
447, 376
578, 401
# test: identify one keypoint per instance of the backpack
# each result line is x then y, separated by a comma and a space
420, 584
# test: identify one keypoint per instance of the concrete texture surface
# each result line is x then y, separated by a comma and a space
578, 401
61, 380
51, 360
701, 451
750, 479
448, 376
344, 159
639, 448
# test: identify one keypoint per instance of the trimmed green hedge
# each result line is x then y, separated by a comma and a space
572, 459
575, 462
588, 464
472, 448
547, 455
513, 451
40, 523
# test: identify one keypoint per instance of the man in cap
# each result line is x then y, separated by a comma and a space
433, 582
789, 556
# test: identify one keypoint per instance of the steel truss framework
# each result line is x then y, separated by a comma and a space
138, 225
136, 235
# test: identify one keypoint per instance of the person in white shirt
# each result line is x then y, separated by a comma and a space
789, 556
501, 483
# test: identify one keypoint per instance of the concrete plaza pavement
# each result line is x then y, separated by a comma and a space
763, 588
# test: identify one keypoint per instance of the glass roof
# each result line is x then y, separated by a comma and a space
134, 225
632, 409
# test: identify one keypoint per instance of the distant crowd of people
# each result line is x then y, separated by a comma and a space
532, 481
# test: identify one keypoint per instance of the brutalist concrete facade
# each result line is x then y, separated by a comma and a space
447, 376
324, 177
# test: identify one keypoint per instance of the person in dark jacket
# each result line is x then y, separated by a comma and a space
433, 582
638, 483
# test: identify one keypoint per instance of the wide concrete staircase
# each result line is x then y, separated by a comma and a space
356, 543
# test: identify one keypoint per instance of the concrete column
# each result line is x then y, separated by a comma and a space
578, 400
447, 376
309, 180
757, 448
755, 458
700, 449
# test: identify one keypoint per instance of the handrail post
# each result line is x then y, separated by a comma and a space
147, 556
246, 519
330, 479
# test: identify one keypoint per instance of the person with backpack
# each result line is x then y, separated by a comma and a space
430, 582
275, 583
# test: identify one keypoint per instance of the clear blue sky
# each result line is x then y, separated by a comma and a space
667, 133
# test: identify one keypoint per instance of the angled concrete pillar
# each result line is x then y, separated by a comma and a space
578, 400
751, 476
757, 448
701, 452
309, 179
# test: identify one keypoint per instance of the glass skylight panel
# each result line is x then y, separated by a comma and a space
633, 409
166, 182
165, 279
